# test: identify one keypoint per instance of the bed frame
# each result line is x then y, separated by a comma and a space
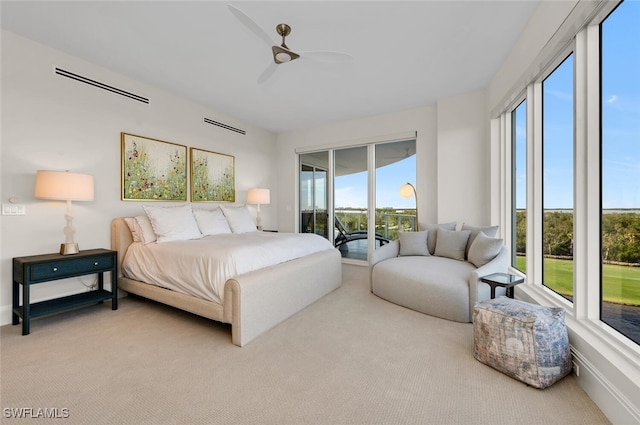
253, 302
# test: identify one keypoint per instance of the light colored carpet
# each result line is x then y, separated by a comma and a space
350, 358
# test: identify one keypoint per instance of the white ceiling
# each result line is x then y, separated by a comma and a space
405, 54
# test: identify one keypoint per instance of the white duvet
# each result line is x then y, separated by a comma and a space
201, 267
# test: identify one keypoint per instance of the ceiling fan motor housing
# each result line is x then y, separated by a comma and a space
283, 55
283, 30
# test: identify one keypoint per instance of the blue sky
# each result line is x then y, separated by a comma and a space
349, 189
621, 107
620, 120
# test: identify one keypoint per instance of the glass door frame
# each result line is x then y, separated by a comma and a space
329, 189
371, 188
315, 170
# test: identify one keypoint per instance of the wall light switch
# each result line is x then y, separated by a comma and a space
14, 209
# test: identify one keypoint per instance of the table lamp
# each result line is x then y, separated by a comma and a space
258, 197
65, 186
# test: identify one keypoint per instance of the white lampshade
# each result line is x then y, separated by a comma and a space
258, 196
63, 186
407, 190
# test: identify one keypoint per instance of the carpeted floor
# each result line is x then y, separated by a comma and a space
350, 358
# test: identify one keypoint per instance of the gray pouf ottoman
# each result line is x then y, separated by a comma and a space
525, 341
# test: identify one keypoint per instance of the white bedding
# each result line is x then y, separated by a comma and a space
201, 267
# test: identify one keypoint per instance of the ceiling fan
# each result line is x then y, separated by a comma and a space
282, 53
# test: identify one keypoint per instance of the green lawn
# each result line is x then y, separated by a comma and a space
621, 283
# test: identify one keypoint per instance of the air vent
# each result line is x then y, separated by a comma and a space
225, 126
100, 85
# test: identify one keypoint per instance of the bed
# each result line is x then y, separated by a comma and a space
252, 302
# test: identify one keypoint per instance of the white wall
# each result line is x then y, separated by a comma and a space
52, 122
464, 193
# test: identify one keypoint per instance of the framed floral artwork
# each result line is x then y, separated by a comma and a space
152, 170
212, 177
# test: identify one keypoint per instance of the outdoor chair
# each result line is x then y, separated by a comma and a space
344, 236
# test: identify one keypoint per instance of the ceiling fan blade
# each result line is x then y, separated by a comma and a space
251, 24
267, 73
326, 56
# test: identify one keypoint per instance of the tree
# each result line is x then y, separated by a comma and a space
621, 237
557, 233
521, 232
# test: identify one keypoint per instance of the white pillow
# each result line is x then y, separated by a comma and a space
132, 224
173, 223
239, 219
484, 249
211, 222
451, 244
141, 229
413, 243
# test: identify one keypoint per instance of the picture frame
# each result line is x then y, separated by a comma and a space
152, 169
212, 176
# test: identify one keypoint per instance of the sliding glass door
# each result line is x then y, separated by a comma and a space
351, 201
364, 181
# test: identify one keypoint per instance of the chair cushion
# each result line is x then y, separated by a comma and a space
413, 243
484, 249
433, 233
490, 231
451, 244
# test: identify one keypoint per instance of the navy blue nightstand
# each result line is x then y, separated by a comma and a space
36, 269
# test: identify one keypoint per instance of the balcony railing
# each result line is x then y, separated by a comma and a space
388, 221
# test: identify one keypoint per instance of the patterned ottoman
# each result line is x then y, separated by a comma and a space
525, 341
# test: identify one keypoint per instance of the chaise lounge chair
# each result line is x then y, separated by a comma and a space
344, 236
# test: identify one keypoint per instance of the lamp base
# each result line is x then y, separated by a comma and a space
69, 248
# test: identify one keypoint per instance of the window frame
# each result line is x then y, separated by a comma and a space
513, 177
583, 315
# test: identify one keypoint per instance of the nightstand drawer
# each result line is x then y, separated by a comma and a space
68, 268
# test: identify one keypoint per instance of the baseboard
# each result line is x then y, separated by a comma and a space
5, 315
613, 403
607, 373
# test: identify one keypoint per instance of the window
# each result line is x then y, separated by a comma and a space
557, 179
620, 170
604, 64
519, 187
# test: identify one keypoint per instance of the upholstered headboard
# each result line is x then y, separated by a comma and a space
121, 238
